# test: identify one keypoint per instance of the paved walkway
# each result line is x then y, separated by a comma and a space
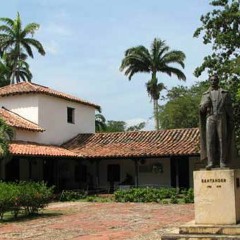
100, 221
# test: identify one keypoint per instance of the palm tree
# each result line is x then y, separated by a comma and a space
15, 41
158, 59
6, 71
100, 123
6, 134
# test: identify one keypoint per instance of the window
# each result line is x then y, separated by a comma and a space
70, 115
80, 173
113, 172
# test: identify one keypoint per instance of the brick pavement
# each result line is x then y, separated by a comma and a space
100, 221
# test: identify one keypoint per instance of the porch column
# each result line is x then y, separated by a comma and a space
177, 173
30, 169
97, 173
57, 174
136, 172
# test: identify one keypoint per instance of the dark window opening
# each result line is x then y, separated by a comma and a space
70, 115
113, 173
80, 173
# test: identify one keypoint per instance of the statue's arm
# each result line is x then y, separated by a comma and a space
229, 108
205, 103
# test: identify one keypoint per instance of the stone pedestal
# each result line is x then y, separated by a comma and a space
217, 207
217, 196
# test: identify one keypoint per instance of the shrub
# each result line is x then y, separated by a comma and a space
8, 198
144, 194
189, 196
34, 196
29, 196
174, 199
72, 195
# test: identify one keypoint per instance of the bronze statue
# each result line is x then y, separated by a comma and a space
216, 126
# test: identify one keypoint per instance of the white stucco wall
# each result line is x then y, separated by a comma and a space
53, 118
127, 166
50, 113
25, 105
161, 179
29, 136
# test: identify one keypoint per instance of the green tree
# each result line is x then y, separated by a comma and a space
6, 134
100, 123
136, 127
158, 59
5, 72
182, 108
115, 126
6, 69
17, 44
220, 29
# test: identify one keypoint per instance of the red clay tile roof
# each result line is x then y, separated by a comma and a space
21, 148
15, 120
136, 144
27, 88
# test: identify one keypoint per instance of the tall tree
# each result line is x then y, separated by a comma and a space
6, 70
221, 29
6, 134
17, 44
100, 123
158, 59
182, 107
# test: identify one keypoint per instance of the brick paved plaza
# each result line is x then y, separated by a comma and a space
100, 221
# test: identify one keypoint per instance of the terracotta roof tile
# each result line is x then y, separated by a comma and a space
27, 88
21, 148
15, 120
136, 144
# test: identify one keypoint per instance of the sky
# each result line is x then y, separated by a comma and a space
85, 43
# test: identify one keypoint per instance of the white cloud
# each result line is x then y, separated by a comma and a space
57, 29
149, 123
51, 47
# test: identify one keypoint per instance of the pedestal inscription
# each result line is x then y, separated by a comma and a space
217, 196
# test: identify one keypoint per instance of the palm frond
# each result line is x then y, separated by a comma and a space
36, 44
157, 47
30, 29
7, 30
174, 57
8, 21
136, 59
28, 49
171, 70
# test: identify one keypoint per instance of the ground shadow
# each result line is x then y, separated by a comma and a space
24, 218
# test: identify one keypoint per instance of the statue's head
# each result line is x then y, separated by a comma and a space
214, 81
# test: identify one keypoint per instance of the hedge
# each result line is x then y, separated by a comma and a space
153, 195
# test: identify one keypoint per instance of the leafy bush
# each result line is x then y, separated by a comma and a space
174, 199
144, 194
27, 196
189, 196
34, 196
8, 198
72, 195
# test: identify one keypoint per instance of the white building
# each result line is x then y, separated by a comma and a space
55, 141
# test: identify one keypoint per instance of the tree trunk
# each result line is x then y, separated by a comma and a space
155, 111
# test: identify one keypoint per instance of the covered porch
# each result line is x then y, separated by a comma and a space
144, 158
38, 162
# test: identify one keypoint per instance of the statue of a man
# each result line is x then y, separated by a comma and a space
216, 126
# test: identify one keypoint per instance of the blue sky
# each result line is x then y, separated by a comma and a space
85, 43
